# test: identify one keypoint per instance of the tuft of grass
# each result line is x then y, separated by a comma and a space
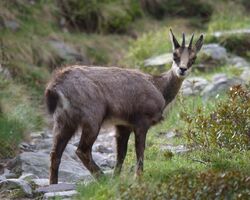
11, 133
18, 116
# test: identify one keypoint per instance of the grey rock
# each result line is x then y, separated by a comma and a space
102, 149
10, 184
12, 25
44, 144
28, 177
24, 146
159, 60
238, 62
219, 78
170, 134
175, 149
72, 171
220, 84
103, 161
38, 163
193, 86
245, 76
66, 52
70, 152
231, 32
214, 51
32, 162
40, 182
56, 187
5, 72
40, 135
65, 194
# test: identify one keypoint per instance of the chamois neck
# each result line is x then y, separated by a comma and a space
169, 84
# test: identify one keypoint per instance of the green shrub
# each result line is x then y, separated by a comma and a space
100, 16
185, 185
150, 44
187, 8
236, 43
227, 126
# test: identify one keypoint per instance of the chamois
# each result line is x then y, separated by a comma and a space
87, 97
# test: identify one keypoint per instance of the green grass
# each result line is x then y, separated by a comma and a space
19, 114
230, 71
229, 15
180, 169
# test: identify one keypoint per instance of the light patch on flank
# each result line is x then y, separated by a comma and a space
64, 101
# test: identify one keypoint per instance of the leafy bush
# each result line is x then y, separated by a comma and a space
187, 8
100, 16
205, 185
228, 126
236, 43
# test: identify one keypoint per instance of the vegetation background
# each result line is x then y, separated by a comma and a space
37, 36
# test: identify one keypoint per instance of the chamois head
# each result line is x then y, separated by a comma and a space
184, 56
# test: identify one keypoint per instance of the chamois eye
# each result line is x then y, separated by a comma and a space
176, 58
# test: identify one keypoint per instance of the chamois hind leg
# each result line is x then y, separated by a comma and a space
62, 136
140, 140
84, 150
122, 137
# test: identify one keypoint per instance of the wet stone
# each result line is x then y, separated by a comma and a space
56, 188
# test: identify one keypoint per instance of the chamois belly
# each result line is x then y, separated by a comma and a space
114, 122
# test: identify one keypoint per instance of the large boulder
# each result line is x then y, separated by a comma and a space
159, 60
38, 164
220, 83
211, 56
236, 41
245, 76
238, 62
193, 86
66, 53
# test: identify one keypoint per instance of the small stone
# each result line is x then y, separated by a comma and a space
175, 149
103, 149
56, 188
10, 184
28, 177
12, 24
170, 134
65, 194
40, 182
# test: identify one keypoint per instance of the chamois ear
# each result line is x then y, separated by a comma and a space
199, 44
175, 43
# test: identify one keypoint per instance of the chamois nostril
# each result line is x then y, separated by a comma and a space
183, 69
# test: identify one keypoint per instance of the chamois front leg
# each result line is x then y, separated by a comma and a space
122, 137
140, 140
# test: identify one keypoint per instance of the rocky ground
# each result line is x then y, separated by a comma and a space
28, 172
